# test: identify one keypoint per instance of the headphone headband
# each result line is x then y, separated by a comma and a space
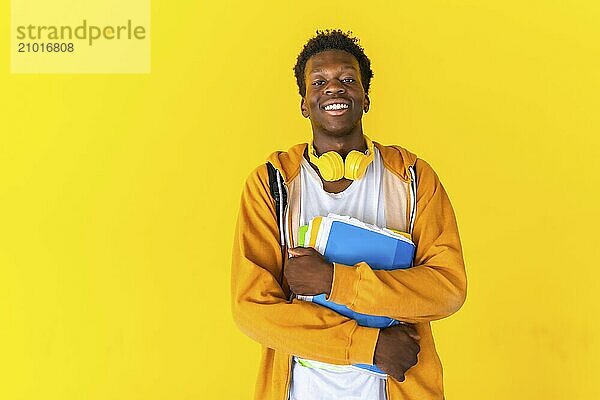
332, 167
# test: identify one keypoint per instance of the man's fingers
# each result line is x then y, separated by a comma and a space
411, 331
415, 335
301, 251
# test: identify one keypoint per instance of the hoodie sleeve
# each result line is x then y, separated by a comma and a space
259, 304
434, 288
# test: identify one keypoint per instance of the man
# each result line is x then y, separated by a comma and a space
308, 350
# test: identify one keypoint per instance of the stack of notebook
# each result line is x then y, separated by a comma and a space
348, 241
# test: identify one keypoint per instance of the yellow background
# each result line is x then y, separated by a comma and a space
118, 193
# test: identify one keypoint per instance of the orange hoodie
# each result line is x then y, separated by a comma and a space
433, 289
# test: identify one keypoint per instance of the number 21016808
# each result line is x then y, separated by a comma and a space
45, 47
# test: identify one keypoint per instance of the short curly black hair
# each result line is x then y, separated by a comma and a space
333, 39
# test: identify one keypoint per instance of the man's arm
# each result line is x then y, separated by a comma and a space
433, 289
259, 305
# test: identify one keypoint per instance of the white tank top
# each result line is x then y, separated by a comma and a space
363, 199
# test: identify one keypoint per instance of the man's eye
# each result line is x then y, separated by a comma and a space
348, 79
317, 83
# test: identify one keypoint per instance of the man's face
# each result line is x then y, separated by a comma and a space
333, 77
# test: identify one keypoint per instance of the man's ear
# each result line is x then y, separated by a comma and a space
367, 103
303, 108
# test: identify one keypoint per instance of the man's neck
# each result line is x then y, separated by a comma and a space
340, 144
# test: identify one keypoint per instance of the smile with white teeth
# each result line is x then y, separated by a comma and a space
337, 106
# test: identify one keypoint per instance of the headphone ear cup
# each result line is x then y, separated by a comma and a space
356, 165
331, 166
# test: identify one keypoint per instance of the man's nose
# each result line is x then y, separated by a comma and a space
334, 86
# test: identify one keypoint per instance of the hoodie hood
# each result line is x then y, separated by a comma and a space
395, 158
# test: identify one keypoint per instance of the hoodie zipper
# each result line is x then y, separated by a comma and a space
280, 211
387, 389
283, 234
288, 381
283, 222
413, 197
413, 203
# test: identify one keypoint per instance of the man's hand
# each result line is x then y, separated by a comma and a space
307, 272
396, 350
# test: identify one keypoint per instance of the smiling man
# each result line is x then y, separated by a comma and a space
309, 351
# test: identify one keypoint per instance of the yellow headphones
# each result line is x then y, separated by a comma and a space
333, 168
